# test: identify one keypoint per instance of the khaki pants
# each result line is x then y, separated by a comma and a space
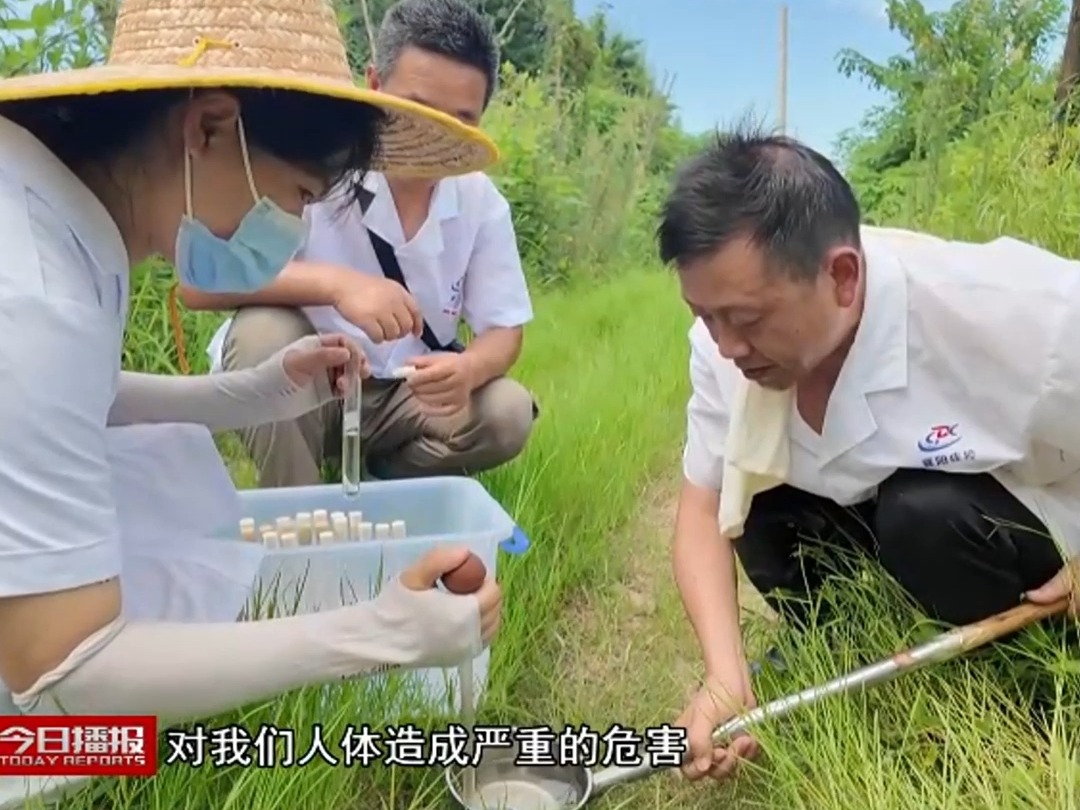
398, 440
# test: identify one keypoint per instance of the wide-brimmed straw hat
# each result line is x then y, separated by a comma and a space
280, 44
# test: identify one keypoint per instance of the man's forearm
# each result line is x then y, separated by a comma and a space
704, 565
494, 353
300, 284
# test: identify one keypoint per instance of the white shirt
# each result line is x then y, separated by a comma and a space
82, 498
967, 360
63, 304
463, 264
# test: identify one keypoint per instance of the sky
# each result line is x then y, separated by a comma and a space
724, 58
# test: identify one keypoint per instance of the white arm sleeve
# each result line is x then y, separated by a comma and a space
225, 401
184, 672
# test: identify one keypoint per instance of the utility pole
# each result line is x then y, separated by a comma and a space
783, 67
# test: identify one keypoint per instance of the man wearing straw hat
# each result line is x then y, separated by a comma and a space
397, 272
212, 125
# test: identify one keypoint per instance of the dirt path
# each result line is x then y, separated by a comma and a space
628, 654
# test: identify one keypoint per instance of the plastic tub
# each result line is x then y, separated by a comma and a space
442, 510
454, 510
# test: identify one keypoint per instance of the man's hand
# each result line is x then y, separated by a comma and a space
719, 699
1065, 584
382, 308
442, 383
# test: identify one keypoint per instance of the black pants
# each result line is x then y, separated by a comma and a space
960, 545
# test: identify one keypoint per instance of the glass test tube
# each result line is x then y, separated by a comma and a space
351, 462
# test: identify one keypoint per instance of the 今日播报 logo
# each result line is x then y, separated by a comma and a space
78, 746
939, 437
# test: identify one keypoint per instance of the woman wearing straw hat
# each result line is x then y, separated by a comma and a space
210, 127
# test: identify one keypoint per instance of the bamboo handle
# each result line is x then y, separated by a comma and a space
1001, 624
943, 647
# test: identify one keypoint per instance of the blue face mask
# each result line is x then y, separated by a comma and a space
268, 238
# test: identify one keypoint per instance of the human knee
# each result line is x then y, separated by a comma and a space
504, 416
918, 508
257, 333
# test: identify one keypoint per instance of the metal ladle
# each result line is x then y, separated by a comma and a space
503, 785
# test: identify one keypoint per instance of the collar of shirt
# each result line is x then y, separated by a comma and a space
878, 360
28, 160
381, 216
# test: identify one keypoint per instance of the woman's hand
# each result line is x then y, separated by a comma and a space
334, 355
430, 627
429, 569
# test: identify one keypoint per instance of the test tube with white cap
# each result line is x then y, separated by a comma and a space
304, 529
366, 531
382, 531
270, 539
247, 529
326, 538
397, 529
356, 519
351, 460
341, 526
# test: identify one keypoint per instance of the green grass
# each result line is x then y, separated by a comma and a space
607, 367
594, 631
959, 735
995, 730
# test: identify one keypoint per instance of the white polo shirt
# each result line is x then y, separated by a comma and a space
463, 263
63, 304
967, 360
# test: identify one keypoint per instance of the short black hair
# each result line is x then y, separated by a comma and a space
452, 28
786, 198
335, 139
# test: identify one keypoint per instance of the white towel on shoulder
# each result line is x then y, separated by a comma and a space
757, 452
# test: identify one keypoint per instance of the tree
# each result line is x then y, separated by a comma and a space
49, 35
105, 11
1070, 60
955, 63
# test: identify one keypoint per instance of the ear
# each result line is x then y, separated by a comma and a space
208, 119
843, 268
372, 78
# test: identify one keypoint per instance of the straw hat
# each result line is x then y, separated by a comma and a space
282, 44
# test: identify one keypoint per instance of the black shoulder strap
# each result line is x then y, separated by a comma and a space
384, 252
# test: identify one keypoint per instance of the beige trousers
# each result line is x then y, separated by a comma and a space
398, 439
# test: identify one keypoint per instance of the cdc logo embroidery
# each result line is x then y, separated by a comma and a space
936, 441
453, 308
939, 437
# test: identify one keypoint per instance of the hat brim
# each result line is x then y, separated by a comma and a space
417, 141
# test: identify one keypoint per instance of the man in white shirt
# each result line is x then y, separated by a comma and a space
398, 273
926, 394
